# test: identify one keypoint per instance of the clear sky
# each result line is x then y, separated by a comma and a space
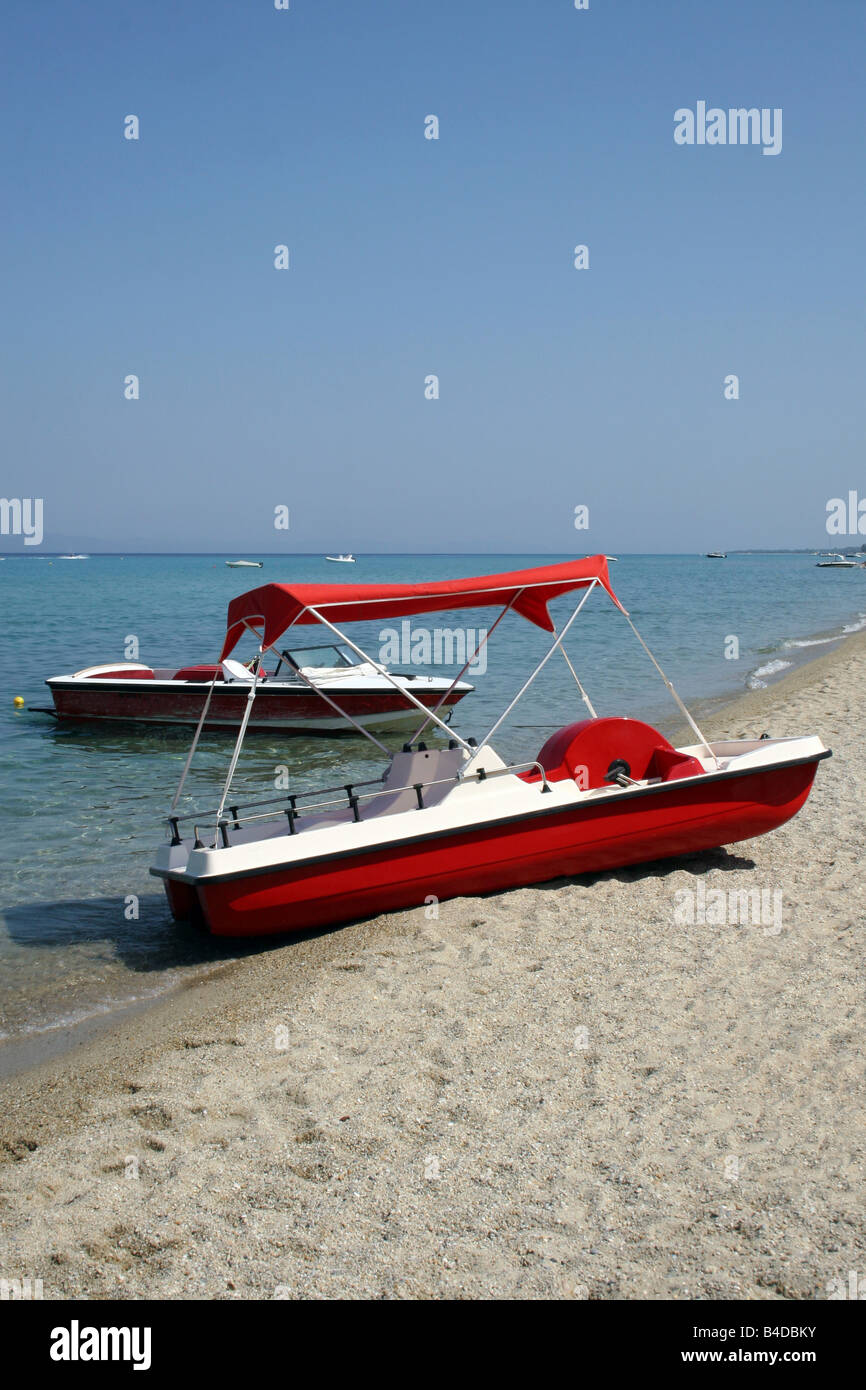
411, 257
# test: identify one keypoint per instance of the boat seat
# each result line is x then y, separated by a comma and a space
669, 764
439, 765
128, 670
234, 671
586, 750
198, 673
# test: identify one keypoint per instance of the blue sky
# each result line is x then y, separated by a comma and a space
410, 257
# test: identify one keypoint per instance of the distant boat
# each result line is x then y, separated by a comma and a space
835, 561
716, 555
341, 559
245, 564
73, 557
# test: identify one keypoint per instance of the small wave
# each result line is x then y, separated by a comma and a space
772, 668
810, 641
97, 1010
857, 625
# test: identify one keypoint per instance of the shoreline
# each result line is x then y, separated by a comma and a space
433, 1126
755, 700
24, 1052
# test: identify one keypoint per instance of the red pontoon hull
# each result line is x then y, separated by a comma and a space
657, 822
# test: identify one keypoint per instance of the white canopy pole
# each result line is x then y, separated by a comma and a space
583, 694
199, 727
676, 697
247, 712
317, 690
194, 745
387, 674
246, 719
542, 663
251, 695
465, 667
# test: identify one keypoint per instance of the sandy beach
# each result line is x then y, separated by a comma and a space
561, 1092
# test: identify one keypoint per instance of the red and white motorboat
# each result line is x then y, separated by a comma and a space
440, 822
291, 698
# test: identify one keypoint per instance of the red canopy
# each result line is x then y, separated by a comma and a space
274, 607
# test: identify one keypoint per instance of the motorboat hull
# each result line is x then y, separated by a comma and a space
294, 710
590, 836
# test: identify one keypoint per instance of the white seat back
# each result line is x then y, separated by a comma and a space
234, 671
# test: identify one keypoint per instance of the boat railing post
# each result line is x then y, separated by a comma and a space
545, 785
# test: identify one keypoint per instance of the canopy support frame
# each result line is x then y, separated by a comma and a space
195, 738
251, 695
465, 667
407, 694
344, 714
679, 703
583, 694
248, 711
542, 663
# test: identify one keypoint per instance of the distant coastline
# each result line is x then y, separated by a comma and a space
95, 553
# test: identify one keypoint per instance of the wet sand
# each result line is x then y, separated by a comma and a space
559, 1092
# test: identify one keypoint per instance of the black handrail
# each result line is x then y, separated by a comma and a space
275, 800
293, 814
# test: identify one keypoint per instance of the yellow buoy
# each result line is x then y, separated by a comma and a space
19, 701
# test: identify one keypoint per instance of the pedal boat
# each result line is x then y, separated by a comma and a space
440, 822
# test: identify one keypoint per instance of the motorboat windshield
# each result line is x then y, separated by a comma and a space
303, 657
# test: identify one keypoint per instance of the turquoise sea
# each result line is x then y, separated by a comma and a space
81, 808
